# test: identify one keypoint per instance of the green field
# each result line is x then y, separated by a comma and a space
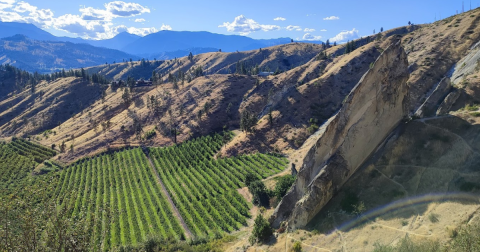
120, 198
17, 160
203, 188
118, 195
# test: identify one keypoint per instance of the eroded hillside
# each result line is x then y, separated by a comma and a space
270, 59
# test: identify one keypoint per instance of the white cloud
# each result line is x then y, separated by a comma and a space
309, 30
293, 27
323, 30
331, 18
122, 9
85, 28
89, 23
310, 37
89, 13
345, 35
279, 19
24, 7
139, 20
244, 26
165, 27
4, 4
113, 10
25, 13
138, 31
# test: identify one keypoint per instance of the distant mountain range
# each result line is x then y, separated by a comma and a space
160, 45
48, 56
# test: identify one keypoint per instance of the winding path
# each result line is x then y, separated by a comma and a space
164, 190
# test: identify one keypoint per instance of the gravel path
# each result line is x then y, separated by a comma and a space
175, 210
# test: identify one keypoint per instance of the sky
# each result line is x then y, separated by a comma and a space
301, 19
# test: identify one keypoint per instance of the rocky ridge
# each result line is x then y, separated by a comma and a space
373, 108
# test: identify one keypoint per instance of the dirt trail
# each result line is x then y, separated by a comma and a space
175, 210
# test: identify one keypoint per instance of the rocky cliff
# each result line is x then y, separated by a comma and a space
373, 108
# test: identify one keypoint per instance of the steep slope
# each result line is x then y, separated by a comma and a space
421, 184
281, 58
51, 104
373, 108
434, 49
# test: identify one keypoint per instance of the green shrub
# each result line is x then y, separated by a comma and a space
349, 202
149, 134
283, 185
259, 192
407, 245
249, 178
433, 217
471, 107
261, 230
297, 247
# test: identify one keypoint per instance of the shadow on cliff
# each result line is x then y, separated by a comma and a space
426, 161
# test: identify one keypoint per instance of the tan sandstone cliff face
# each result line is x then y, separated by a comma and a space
373, 108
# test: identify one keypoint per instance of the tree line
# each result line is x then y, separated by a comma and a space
24, 79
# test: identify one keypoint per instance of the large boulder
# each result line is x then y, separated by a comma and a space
376, 105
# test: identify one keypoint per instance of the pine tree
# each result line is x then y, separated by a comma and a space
347, 47
270, 117
154, 77
247, 121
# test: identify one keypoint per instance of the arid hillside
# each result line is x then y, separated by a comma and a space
204, 93
49, 106
270, 59
421, 184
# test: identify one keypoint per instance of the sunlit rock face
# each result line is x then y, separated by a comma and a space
376, 105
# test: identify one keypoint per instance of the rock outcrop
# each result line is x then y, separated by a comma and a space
429, 107
448, 102
373, 108
467, 65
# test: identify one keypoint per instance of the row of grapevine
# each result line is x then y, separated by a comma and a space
118, 196
13, 167
29, 149
204, 188
119, 199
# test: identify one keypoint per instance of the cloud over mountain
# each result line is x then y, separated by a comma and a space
90, 22
345, 35
244, 26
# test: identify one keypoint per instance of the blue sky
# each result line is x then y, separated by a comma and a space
300, 19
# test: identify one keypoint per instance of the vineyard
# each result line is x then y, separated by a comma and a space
124, 197
119, 197
203, 188
34, 151
17, 159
